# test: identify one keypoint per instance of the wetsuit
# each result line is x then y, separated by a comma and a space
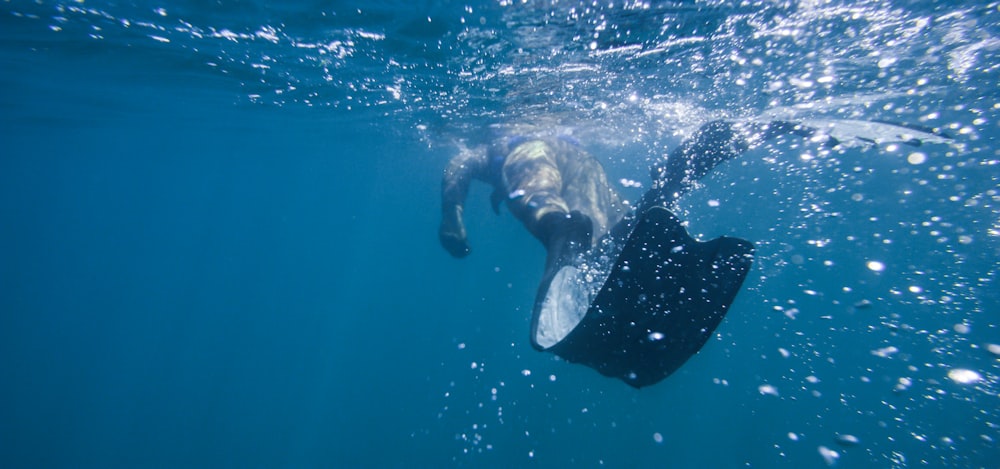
561, 193
553, 186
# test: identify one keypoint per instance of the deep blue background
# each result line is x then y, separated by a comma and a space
188, 279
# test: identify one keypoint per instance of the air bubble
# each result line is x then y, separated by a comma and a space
830, 456
767, 390
885, 351
964, 376
844, 439
876, 266
916, 158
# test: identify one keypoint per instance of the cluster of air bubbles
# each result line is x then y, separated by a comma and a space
646, 70
483, 396
617, 73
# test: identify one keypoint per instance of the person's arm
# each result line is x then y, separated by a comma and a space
459, 174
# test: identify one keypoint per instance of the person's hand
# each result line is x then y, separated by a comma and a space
452, 236
455, 245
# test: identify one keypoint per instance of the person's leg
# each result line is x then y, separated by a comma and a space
711, 145
586, 188
532, 176
533, 181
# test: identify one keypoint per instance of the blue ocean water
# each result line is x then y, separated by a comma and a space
219, 222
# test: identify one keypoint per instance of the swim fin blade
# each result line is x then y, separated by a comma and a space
660, 303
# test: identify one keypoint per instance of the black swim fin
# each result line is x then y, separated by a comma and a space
660, 303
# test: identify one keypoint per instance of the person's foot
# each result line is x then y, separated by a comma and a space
565, 237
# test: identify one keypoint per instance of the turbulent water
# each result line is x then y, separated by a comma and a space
219, 222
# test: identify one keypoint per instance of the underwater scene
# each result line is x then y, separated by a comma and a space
220, 232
